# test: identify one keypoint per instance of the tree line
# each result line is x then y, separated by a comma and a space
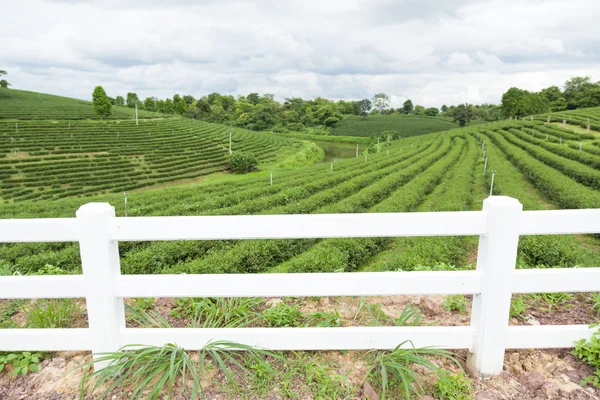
578, 92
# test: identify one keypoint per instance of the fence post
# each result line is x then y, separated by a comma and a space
100, 263
496, 261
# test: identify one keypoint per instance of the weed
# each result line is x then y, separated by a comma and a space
589, 352
395, 366
10, 309
596, 303
8, 270
453, 386
50, 269
518, 307
411, 316
554, 300
53, 313
156, 369
22, 363
143, 303
146, 318
233, 312
325, 319
455, 303
283, 315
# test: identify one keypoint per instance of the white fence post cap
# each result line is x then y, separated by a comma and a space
502, 201
95, 209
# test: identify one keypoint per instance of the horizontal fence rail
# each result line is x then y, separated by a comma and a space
494, 280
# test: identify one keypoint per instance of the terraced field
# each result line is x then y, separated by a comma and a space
580, 117
54, 159
538, 163
24, 105
404, 125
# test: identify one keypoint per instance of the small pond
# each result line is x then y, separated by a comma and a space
336, 150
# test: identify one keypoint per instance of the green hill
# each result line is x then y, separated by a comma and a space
579, 117
45, 160
24, 105
404, 125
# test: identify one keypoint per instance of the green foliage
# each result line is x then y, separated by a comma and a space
52, 313
22, 363
391, 368
596, 303
381, 101
588, 351
453, 386
457, 303
379, 125
241, 163
158, 369
100, 102
132, 100
283, 315
518, 307
411, 316
463, 114
431, 112
324, 319
407, 107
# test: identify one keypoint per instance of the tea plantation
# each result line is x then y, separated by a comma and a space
540, 164
24, 105
402, 125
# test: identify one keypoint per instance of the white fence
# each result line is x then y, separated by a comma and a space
492, 283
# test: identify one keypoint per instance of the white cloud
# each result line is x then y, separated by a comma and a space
431, 51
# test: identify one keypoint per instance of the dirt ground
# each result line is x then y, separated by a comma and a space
527, 374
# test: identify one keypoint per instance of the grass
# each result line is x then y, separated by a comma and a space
382, 125
52, 313
395, 367
149, 371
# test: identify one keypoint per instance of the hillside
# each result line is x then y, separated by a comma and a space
376, 125
24, 105
49, 160
434, 172
579, 117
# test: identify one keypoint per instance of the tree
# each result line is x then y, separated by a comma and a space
555, 98
241, 162
119, 101
381, 101
362, 107
3, 83
253, 98
444, 108
432, 112
189, 99
179, 105
419, 110
463, 114
407, 107
100, 102
581, 92
132, 99
150, 104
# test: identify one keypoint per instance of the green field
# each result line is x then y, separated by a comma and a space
51, 167
24, 105
404, 125
579, 117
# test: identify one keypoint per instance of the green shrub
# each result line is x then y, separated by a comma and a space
242, 162
453, 386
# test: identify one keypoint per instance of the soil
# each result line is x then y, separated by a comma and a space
527, 374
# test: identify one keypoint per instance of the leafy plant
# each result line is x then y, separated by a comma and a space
325, 319
455, 303
589, 352
518, 307
283, 315
395, 366
156, 369
143, 303
554, 300
453, 386
8, 270
22, 363
232, 312
242, 162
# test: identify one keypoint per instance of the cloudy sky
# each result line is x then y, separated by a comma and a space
432, 51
